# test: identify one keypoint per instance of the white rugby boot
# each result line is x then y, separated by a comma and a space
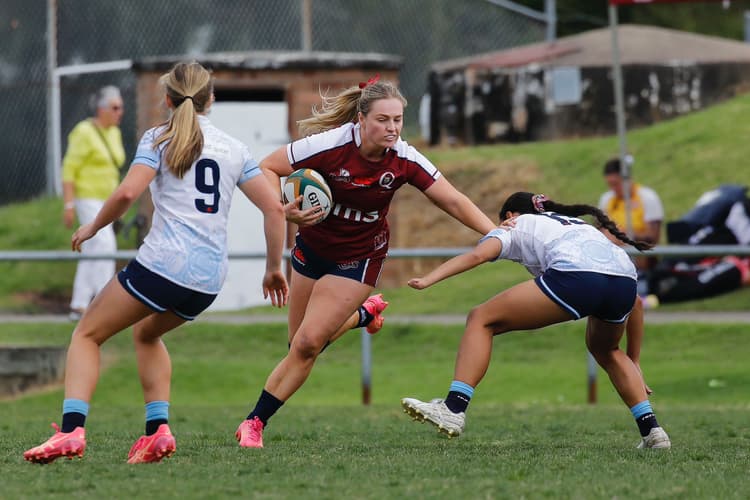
656, 439
436, 413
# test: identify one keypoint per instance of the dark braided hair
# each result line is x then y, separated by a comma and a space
529, 203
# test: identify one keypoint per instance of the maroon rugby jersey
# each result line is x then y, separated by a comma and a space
362, 190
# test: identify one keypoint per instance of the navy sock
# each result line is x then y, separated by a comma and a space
266, 406
153, 425
646, 422
644, 417
72, 420
157, 413
74, 414
457, 402
364, 317
459, 396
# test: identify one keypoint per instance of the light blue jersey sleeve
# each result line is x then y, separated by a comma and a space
501, 234
145, 154
250, 167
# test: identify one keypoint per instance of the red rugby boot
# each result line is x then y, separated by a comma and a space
375, 305
61, 444
153, 448
250, 433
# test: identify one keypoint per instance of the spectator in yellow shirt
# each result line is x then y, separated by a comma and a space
646, 211
90, 174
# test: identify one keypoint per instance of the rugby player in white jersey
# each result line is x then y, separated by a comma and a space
577, 273
192, 168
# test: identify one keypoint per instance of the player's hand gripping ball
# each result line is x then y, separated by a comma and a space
312, 187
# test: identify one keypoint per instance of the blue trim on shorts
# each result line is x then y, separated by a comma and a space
142, 298
546, 289
161, 294
607, 297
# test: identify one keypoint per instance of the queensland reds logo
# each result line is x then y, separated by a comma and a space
386, 180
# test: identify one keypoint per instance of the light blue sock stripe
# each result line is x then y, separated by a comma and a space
641, 409
462, 387
157, 410
75, 405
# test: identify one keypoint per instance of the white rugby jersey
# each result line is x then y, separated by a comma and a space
553, 241
187, 243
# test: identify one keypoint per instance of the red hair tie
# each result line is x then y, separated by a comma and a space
538, 201
371, 81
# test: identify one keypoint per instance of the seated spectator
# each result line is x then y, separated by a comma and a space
646, 209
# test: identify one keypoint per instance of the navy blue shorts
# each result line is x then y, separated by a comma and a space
162, 295
582, 293
307, 263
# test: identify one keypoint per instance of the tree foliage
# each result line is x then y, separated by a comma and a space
709, 17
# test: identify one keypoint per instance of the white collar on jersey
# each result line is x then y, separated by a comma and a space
357, 135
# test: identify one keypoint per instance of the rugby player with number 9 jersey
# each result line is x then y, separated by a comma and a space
192, 169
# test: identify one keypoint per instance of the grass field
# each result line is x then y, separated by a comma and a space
529, 432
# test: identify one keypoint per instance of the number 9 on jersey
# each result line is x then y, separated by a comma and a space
312, 187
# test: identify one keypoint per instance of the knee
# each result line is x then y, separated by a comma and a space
603, 356
144, 336
474, 318
305, 347
477, 321
82, 333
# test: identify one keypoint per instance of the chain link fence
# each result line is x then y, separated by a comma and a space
90, 31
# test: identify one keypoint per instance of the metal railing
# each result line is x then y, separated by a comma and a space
398, 253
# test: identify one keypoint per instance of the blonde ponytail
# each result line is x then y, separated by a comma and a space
190, 89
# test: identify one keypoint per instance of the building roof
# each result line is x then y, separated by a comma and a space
276, 60
638, 45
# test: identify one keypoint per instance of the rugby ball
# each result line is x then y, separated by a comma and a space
313, 188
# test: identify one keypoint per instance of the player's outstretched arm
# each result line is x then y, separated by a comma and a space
459, 206
132, 186
260, 193
487, 250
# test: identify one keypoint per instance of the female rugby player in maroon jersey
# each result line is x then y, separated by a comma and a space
354, 143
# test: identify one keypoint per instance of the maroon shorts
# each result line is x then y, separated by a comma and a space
307, 263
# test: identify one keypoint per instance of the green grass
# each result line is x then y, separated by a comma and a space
529, 432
